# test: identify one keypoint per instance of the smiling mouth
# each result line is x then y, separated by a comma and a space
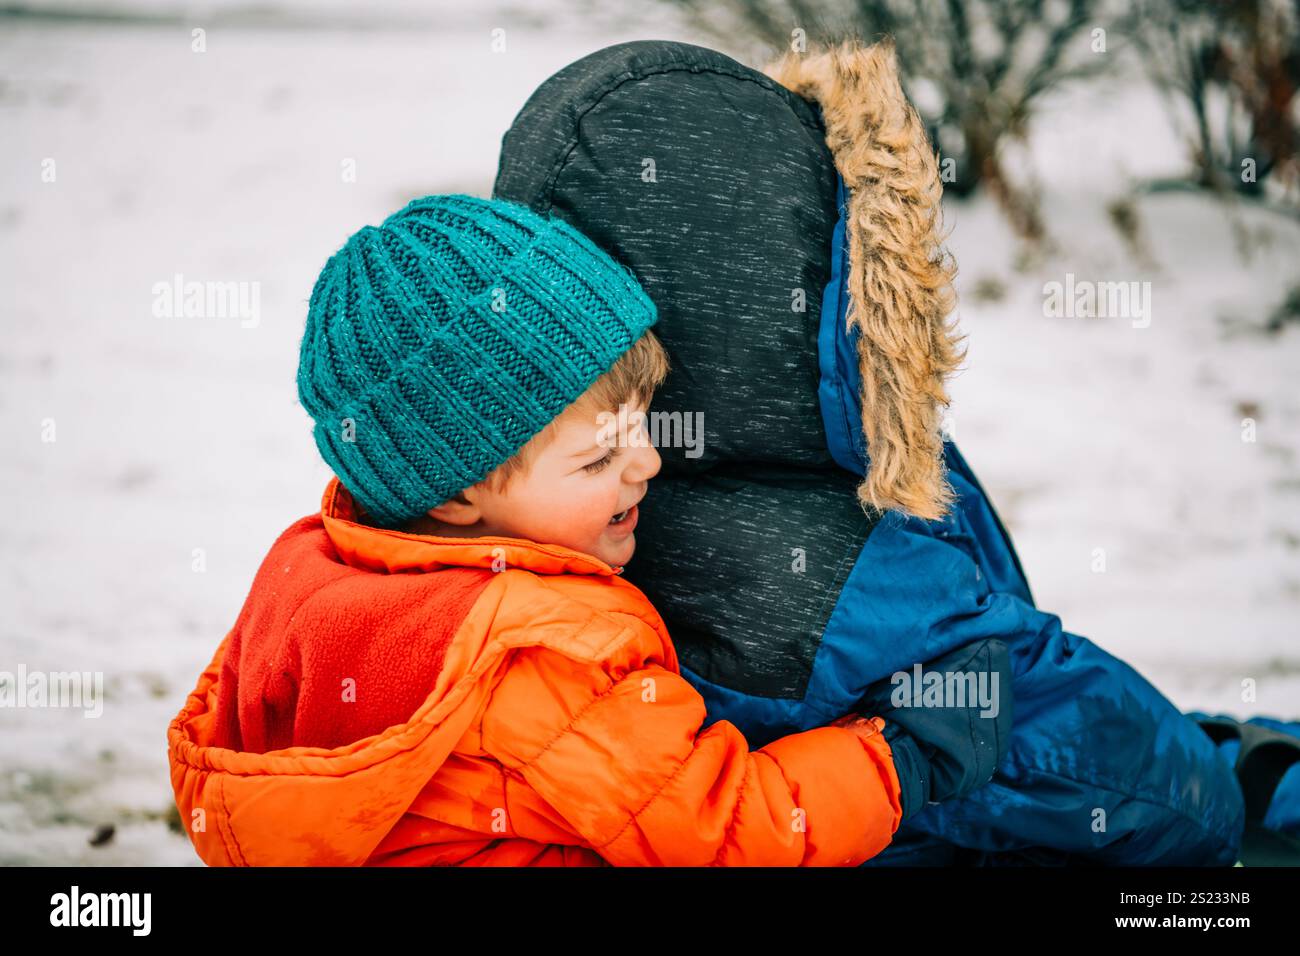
624, 518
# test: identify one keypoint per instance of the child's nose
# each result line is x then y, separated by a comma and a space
644, 465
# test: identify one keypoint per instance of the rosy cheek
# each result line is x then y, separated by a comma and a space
599, 501
572, 512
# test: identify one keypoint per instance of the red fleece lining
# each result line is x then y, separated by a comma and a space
324, 654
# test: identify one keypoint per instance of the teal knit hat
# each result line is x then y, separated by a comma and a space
440, 342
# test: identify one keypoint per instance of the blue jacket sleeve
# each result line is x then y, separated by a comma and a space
1100, 764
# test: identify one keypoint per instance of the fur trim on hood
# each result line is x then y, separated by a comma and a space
900, 277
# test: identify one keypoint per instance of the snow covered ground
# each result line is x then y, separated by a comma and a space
179, 451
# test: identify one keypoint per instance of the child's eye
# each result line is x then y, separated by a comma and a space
602, 463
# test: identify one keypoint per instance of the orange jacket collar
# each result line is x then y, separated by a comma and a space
382, 549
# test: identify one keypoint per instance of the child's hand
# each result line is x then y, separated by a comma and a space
950, 739
859, 722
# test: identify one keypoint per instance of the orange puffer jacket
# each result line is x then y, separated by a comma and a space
558, 729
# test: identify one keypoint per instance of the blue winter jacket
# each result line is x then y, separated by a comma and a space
722, 189
1100, 764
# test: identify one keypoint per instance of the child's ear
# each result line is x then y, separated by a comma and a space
457, 510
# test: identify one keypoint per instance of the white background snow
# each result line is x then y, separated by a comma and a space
181, 434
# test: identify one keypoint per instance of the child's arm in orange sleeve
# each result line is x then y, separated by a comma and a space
627, 766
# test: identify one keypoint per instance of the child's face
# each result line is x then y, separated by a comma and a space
592, 469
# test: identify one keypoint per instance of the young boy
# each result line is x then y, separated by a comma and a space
444, 665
